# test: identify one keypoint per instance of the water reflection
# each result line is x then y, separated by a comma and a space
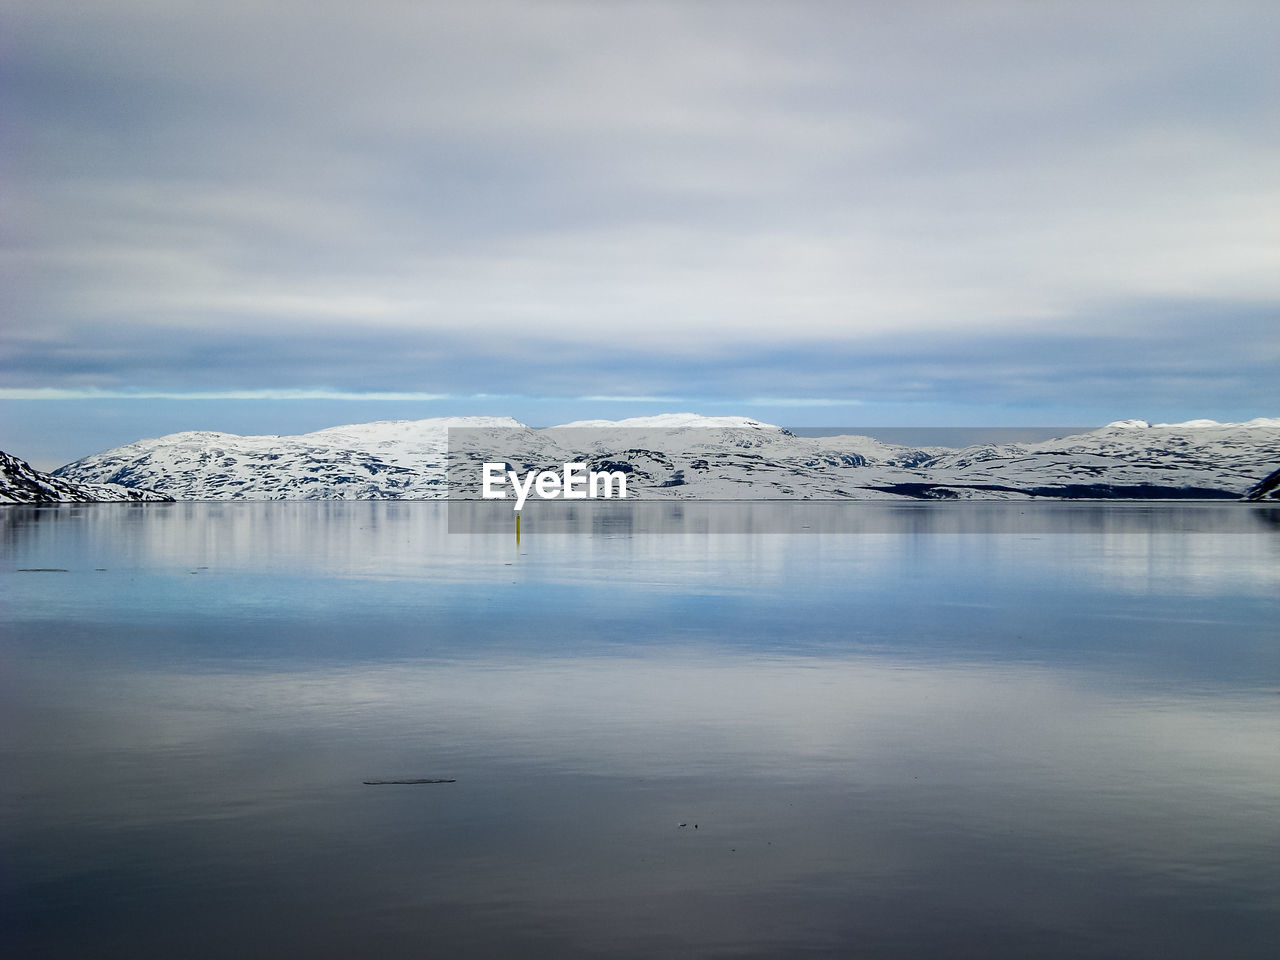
922, 744
394, 539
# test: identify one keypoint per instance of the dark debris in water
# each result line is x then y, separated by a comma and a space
43, 570
374, 783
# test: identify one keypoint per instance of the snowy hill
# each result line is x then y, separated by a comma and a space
22, 483
685, 456
392, 459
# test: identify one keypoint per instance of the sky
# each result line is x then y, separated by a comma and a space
272, 217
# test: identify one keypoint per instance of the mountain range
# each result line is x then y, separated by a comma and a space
683, 456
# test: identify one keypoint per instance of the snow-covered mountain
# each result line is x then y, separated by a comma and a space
389, 459
22, 483
1268, 488
685, 456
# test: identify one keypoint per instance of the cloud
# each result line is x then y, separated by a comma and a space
91, 393
610, 199
1221, 355
383, 396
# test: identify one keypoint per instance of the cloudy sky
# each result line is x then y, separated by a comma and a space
275, 216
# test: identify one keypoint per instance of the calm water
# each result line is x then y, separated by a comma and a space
1057, 739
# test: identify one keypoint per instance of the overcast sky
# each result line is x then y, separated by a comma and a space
268, 217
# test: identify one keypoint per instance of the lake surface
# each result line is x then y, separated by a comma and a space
1012, 730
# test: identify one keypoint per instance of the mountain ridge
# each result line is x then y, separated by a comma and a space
687, 456
22, 483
